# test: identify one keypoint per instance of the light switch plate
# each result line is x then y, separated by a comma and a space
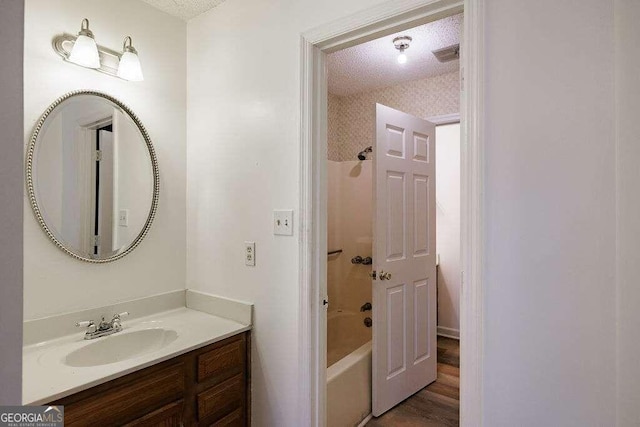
283, 222
123, 218
250, 253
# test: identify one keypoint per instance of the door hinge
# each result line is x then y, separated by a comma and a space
98, 155
96, 240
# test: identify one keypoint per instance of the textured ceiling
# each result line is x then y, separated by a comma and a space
185, 9
374, 64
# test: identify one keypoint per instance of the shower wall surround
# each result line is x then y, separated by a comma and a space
349, 218
351, 119
54, 282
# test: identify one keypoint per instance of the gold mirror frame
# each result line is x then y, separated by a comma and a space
31, 189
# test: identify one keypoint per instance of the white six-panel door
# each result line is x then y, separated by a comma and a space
404, 291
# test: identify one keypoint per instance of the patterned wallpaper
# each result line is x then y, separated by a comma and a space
351, 118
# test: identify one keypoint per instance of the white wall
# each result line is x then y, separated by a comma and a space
550, 214
243, 162
11, 188
53, 281
549, 199
627, 63
448, 227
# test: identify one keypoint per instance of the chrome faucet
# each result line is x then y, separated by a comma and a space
103, 328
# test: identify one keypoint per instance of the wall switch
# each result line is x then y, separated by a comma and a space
123, 218
283, 222
250, 253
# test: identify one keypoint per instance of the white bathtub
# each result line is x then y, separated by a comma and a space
349, 372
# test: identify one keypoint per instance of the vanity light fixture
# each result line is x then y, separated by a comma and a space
402, 43
129, 68
85, 50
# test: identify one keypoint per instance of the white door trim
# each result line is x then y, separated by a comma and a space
372, 23
445, 119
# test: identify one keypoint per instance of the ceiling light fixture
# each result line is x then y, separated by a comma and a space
129, 67
85, 50
402, 43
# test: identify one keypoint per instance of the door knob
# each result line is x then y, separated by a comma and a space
385, 275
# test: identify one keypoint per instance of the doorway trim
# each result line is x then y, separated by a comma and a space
445, 119
375, 22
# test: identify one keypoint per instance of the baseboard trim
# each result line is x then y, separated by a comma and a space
448, 332
365, 421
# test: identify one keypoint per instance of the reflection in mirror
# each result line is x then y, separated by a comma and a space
93, 177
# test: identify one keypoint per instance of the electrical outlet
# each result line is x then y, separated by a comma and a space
283, 222
250, 253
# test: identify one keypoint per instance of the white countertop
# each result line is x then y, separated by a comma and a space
46, 377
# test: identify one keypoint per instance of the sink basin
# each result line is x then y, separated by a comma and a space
120, 346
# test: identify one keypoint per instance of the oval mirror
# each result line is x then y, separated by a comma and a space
92, 176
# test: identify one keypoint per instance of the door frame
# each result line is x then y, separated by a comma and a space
378, 21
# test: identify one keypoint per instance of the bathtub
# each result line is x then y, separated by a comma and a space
349, 371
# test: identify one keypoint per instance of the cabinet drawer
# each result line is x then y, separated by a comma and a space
234, 419
223, 362
167, 416
128, 401
222, 400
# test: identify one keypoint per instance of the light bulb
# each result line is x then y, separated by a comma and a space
402, 58
129, 68
85, 50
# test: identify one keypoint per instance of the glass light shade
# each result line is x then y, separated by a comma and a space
85, 52
129, 68
402, 58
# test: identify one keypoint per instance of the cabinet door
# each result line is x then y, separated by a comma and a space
125, 399
226, 398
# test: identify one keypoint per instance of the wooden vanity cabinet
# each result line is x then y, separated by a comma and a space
209, 386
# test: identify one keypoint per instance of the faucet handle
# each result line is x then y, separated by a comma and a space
87, 324
115, 322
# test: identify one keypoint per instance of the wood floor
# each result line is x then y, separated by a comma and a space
438, 404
